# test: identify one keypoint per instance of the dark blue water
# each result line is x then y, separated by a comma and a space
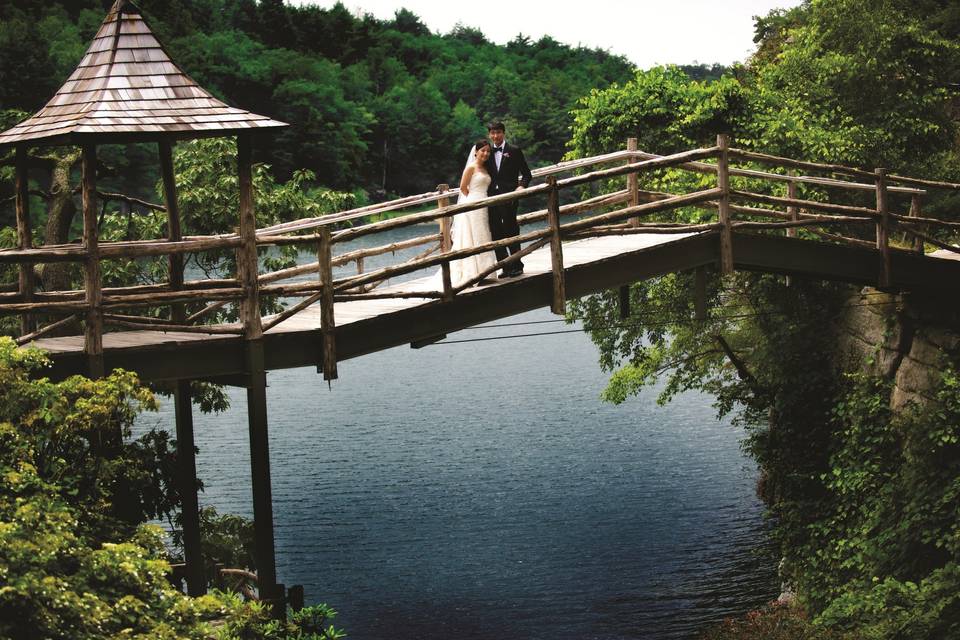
482, 490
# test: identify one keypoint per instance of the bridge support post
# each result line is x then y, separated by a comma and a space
633, 183
624, 296
558, 302
883, 228
93, 336
723, 182
260, 474
24, 237
327, 318
187, 481
445, 244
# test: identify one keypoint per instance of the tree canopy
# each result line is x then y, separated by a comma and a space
384, 105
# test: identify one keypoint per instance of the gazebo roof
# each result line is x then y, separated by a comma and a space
127, 88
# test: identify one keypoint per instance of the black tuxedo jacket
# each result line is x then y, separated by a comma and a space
513, 171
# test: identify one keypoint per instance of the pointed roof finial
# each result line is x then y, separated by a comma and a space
126, 88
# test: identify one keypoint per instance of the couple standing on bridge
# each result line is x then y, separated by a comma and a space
493, 168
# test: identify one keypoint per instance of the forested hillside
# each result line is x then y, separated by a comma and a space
386, 106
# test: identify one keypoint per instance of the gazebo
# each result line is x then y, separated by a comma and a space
127, 89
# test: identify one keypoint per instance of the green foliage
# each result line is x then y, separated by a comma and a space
251, 621
865, 501
882, 555
75, 435
75, 561
67, 479
225, 540
363, 95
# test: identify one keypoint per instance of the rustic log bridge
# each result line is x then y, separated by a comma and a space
704, 167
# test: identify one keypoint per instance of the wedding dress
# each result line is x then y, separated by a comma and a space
469, 230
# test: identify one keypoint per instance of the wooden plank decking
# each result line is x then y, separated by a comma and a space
591, 265
141, 350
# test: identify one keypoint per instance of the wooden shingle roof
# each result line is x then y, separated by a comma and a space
127, 88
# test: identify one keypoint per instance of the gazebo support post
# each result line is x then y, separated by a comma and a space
174, 233
93, 337
187, 481
24, 238
247, 266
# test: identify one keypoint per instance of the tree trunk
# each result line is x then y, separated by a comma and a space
61, 210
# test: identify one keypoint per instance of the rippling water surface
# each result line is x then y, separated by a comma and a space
482, 490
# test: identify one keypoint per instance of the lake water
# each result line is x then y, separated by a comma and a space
482, 490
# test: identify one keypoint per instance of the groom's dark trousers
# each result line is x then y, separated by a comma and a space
513, 172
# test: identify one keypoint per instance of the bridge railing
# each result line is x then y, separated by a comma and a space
730, 206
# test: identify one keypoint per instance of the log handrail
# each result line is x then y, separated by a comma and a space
612, 212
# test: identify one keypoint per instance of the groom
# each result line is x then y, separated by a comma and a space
508, 172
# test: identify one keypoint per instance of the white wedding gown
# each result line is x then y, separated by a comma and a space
469, 230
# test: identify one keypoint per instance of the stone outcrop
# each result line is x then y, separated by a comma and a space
902, 338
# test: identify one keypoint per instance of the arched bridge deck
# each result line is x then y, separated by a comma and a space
591, 265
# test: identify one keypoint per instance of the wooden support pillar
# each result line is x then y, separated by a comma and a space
247, 262
700, 294
446, 243
558, 303
28, 322
723, 182
624, 295
93, 335
260, 473
187, 481
883, 228
915, 212
327, 319
174, 233
633, 183
793, 211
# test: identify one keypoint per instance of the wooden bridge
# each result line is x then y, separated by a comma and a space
590, 245
592, 228
594, 243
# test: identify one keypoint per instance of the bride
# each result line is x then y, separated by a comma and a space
473, 227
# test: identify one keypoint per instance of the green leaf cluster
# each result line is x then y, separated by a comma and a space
76, 562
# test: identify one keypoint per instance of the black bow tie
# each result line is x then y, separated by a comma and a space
497, 149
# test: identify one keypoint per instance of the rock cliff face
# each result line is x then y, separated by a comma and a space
900, 337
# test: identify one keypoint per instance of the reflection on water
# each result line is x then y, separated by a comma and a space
483, 490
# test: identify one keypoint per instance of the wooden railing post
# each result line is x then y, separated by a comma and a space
723, 182
174, 233
93, 336
915, 212
327, 318
793, 211
247, 262
883, 227
24, 238
558, 303
446, 243
633, 183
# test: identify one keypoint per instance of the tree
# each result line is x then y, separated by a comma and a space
74, 560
